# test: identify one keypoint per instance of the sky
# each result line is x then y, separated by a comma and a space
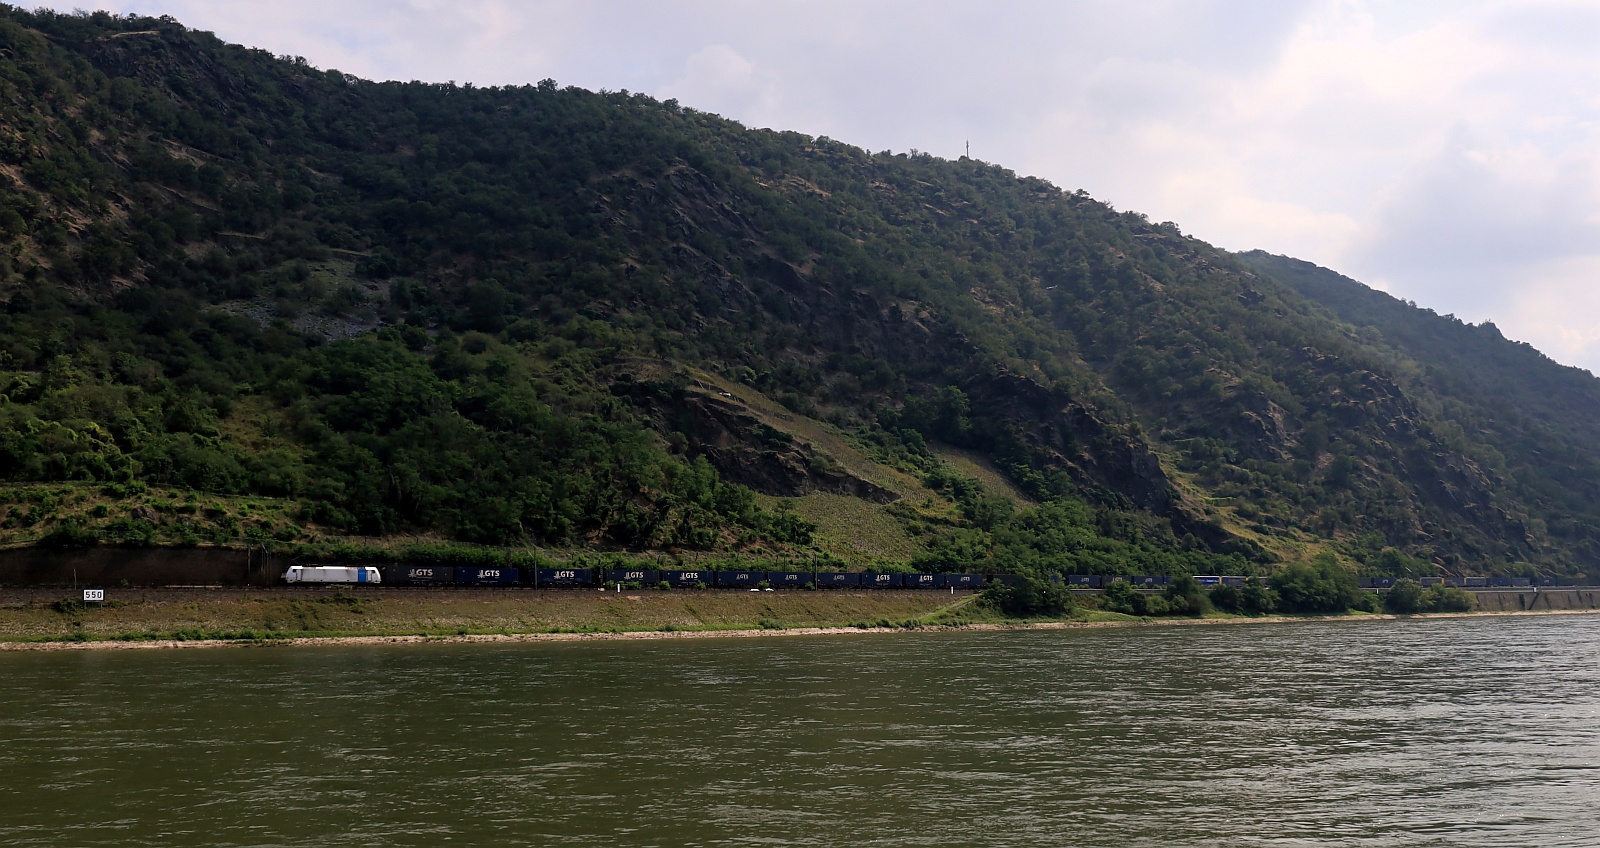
1445, 151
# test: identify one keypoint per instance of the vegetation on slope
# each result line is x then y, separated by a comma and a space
544, 316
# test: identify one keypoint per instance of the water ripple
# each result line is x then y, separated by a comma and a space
1470, 732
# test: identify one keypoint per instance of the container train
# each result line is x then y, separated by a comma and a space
548, 578
437, 575
444, 575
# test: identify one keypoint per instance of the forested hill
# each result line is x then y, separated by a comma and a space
248, 301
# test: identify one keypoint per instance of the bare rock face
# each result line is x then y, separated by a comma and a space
1078, 440
745, 450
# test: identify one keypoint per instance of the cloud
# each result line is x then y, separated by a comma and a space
718, 79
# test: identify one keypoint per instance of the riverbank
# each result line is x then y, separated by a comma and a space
204, 617
195, 614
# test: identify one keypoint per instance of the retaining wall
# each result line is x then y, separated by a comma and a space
1514, 600
109, 566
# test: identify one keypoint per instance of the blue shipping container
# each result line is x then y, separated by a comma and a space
923, 581
688, 579
551, 577
964, 581
740, 579
837, 580
481, 576
789, 579
642, 576
418, 575
881, 581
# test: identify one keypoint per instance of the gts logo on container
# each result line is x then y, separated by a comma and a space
420, 573
489, 572
567, 575
626, 575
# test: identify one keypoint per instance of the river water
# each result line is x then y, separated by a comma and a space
1461, 732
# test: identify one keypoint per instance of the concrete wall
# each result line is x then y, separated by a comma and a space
1514, 600
103, 566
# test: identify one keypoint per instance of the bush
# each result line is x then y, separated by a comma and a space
1323, 585
1031, 597
70, 536
1404, 598
1448, 599
1155, 605
1256, 599
1120, 597
1184, 597
1227, 599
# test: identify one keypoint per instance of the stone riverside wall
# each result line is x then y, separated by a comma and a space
1516, 600
109, 566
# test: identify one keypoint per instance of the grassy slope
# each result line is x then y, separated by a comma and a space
199, 613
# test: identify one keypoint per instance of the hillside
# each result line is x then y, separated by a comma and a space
248, 301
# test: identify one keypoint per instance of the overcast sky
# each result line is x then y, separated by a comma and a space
1443, 150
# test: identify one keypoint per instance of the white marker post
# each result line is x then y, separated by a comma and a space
94, 596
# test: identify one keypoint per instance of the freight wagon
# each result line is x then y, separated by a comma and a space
687, 579
790, 579
418, 575
551, 578
741, 579
495, 576
636, 577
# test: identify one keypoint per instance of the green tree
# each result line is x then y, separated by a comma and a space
1404, 597
1257, 598
1029, 597
1441, 598
1322, 585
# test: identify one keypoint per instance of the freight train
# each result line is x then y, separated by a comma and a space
578, 578
444, 575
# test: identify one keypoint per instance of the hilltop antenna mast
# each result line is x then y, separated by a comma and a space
969, 148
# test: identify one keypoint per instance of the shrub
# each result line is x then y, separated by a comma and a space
1323, 585
1448, 599
1031, 597
1155, 605
1227, 599
1404, 598
70, 536
1256, 599
1184, 597
1119, 597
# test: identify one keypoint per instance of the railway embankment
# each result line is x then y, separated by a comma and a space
54, 614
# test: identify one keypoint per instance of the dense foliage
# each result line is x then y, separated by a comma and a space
501, 315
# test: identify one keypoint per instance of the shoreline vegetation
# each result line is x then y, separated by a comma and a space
195, 621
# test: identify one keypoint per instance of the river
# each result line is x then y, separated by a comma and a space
1457, 732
